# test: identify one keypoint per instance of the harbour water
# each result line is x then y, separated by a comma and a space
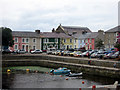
37, 77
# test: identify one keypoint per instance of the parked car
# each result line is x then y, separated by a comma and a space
116, 54
84, 54
72, 53
58, 52
67, 53
108, 56
77, 54
20, 51
94, 55
36, 51
50, 50
6, 51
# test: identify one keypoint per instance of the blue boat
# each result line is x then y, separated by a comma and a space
60, 71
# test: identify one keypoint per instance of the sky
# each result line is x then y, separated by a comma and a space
30, 15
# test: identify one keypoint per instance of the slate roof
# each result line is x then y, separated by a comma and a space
41, 35
87, 35
71, 29
25, 34
54, 35
115, 29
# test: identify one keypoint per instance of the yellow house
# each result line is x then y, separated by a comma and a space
68, 43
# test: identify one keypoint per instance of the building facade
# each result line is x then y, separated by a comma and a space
111, 37
26, 40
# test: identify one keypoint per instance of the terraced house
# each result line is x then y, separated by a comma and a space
26, 40
53, 39
112, 36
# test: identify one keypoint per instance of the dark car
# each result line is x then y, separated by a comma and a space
6, 51
108, 56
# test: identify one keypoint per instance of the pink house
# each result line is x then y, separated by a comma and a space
26, 40
90, 42
19, 44
91, 38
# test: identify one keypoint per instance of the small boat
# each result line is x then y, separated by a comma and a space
75, 74
108, 87
60, 71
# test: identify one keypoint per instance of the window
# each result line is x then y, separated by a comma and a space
27, 40
23, 40
86, 41
70, 40
64, 40
75, 40
90, 40
23, 47
16, 39
56, 40
34, 40
16, 47
70, 46
75, 46
64, 47
34, 47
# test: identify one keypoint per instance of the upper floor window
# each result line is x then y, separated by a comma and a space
27, 40
64, 40
23, 40
34, 40
90, 40
86, 40
16, 40
70, 40
56, 40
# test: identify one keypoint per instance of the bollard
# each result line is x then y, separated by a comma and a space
8, 70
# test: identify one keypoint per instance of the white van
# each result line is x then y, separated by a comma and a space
50, 50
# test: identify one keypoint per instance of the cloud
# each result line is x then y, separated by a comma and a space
48, 14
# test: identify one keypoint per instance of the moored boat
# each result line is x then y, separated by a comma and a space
75, 74
60, 71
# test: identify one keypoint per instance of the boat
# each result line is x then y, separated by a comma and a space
75, 74
107, 87
60, 71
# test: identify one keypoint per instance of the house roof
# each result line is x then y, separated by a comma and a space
115, 29
25, 34
87, 35
54, 35
71, 29
93, 35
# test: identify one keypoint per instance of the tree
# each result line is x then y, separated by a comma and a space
117, 45
99, 44
7, 39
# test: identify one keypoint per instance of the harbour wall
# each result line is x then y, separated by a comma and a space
98, 67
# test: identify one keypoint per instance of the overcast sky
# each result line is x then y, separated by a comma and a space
22, 15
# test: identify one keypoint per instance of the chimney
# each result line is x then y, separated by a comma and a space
37, 31
53, 30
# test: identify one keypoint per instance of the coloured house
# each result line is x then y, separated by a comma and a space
90, 41
72, 31
24, 40
53, 39
111, 37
